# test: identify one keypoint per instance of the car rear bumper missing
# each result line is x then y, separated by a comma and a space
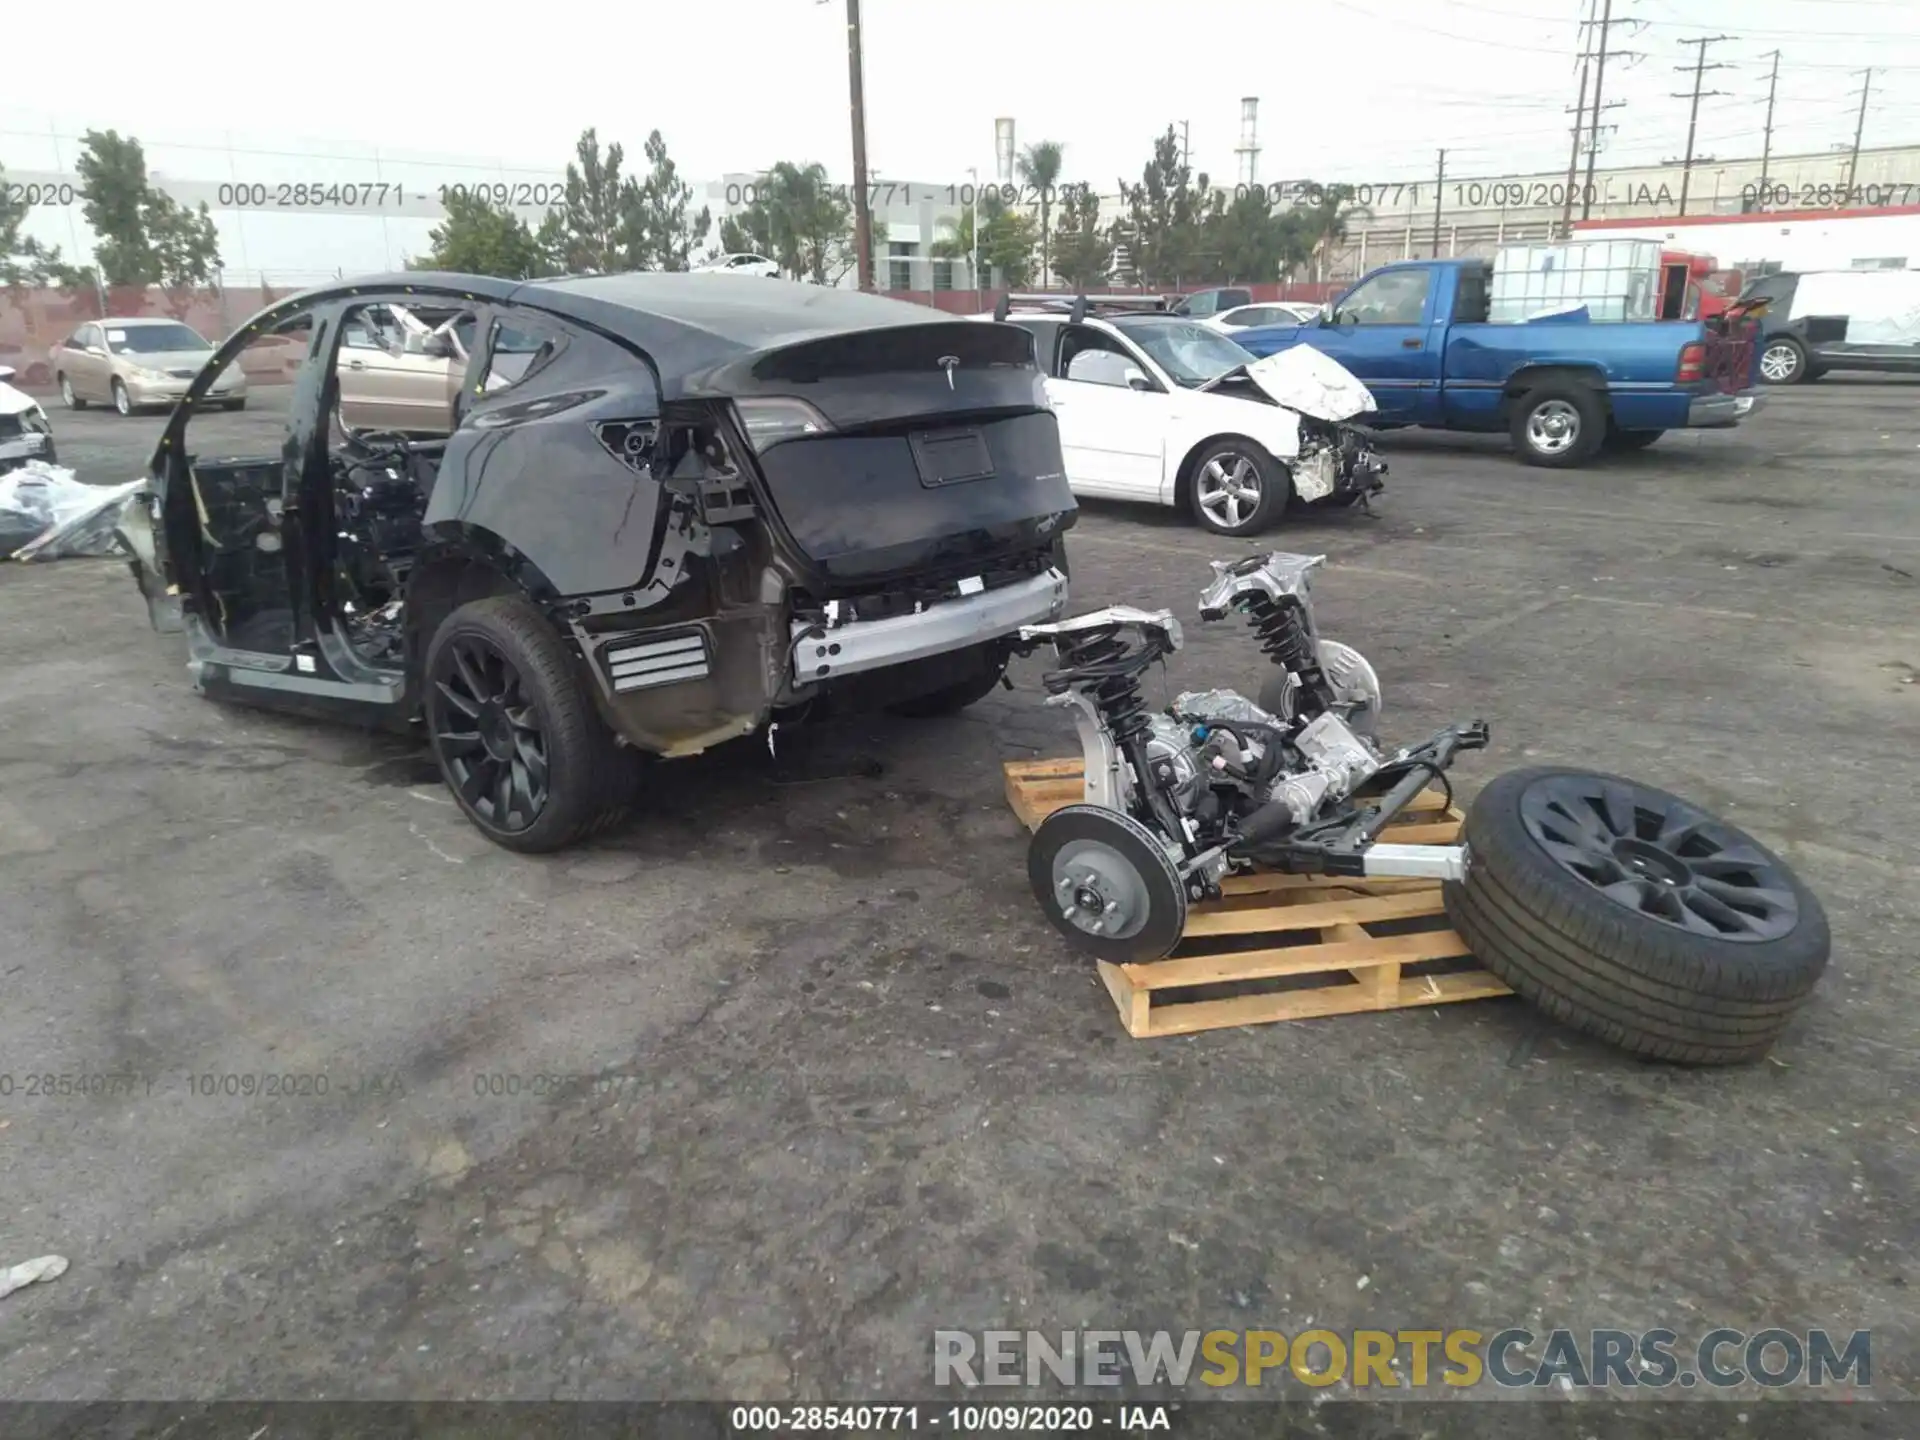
819, 653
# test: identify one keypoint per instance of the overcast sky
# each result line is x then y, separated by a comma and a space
1353, 89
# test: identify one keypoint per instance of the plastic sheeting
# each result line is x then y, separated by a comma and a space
46, 514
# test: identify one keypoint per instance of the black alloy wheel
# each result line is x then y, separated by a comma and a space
515, 732
1659, 856
1635, 916
489, 733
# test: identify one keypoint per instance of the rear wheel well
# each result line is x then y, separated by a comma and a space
1183, 477
438, 588
1535, 376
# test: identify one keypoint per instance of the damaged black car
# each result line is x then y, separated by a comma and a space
625, 516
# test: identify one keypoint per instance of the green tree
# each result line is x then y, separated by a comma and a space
1164, 215
1082, 251
1039, 167
958, 245
184, 245
480, 238
797, 220
667, 234
1247, 240
1329, 210
23, 260
595, 231
114, 198
1008, 239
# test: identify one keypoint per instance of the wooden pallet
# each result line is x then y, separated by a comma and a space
1287, 947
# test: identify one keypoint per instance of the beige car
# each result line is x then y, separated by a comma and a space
137, 362
399, 368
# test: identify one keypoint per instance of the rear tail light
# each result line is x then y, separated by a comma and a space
1693, 362
769, 419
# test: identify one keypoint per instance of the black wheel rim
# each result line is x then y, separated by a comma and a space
488, 732
1660, 857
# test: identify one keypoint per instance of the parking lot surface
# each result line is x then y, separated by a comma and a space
844, 1086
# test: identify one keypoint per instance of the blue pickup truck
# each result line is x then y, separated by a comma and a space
1565, 390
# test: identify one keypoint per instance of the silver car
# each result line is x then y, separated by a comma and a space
136, 363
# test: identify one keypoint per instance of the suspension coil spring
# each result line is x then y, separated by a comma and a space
1109, 672
1282, 632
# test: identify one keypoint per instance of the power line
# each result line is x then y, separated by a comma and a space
1699, 68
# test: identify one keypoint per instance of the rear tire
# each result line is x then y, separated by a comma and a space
1633, 916
1239, 489
1783, 361
519, 744
1558, 425
987, 665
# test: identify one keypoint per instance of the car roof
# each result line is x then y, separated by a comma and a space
691, 325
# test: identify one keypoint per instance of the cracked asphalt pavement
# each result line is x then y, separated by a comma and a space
745, 1100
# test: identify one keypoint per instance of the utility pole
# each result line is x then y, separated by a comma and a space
1579, 118
1184, 152
1699, 68
1439, 179
1607, 22
862, 210
1859, 128
1766, 142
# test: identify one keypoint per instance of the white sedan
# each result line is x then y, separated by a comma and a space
1160, 408
739, 264
1272, 312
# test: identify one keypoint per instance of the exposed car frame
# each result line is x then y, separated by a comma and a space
709, 501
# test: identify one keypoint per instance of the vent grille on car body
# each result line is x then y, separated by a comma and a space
640, 662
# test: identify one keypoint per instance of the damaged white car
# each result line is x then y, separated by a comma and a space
25, 433
1161, 408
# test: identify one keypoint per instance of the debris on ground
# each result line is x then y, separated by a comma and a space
47, 1267
46, 514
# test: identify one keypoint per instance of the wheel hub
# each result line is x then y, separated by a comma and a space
1643, 858
1099, 891
496, 733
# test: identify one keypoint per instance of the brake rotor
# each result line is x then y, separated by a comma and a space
1355, 687
1107, 884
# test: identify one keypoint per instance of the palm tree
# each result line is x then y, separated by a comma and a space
1039, 167
958, 245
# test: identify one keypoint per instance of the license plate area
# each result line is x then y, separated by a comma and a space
950, 457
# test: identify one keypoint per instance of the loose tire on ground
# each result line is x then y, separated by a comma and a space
1238, 488
543, 720
1559, 424
1610, 967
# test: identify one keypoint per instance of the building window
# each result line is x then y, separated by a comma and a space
900, 265
1890, 262
943, 274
